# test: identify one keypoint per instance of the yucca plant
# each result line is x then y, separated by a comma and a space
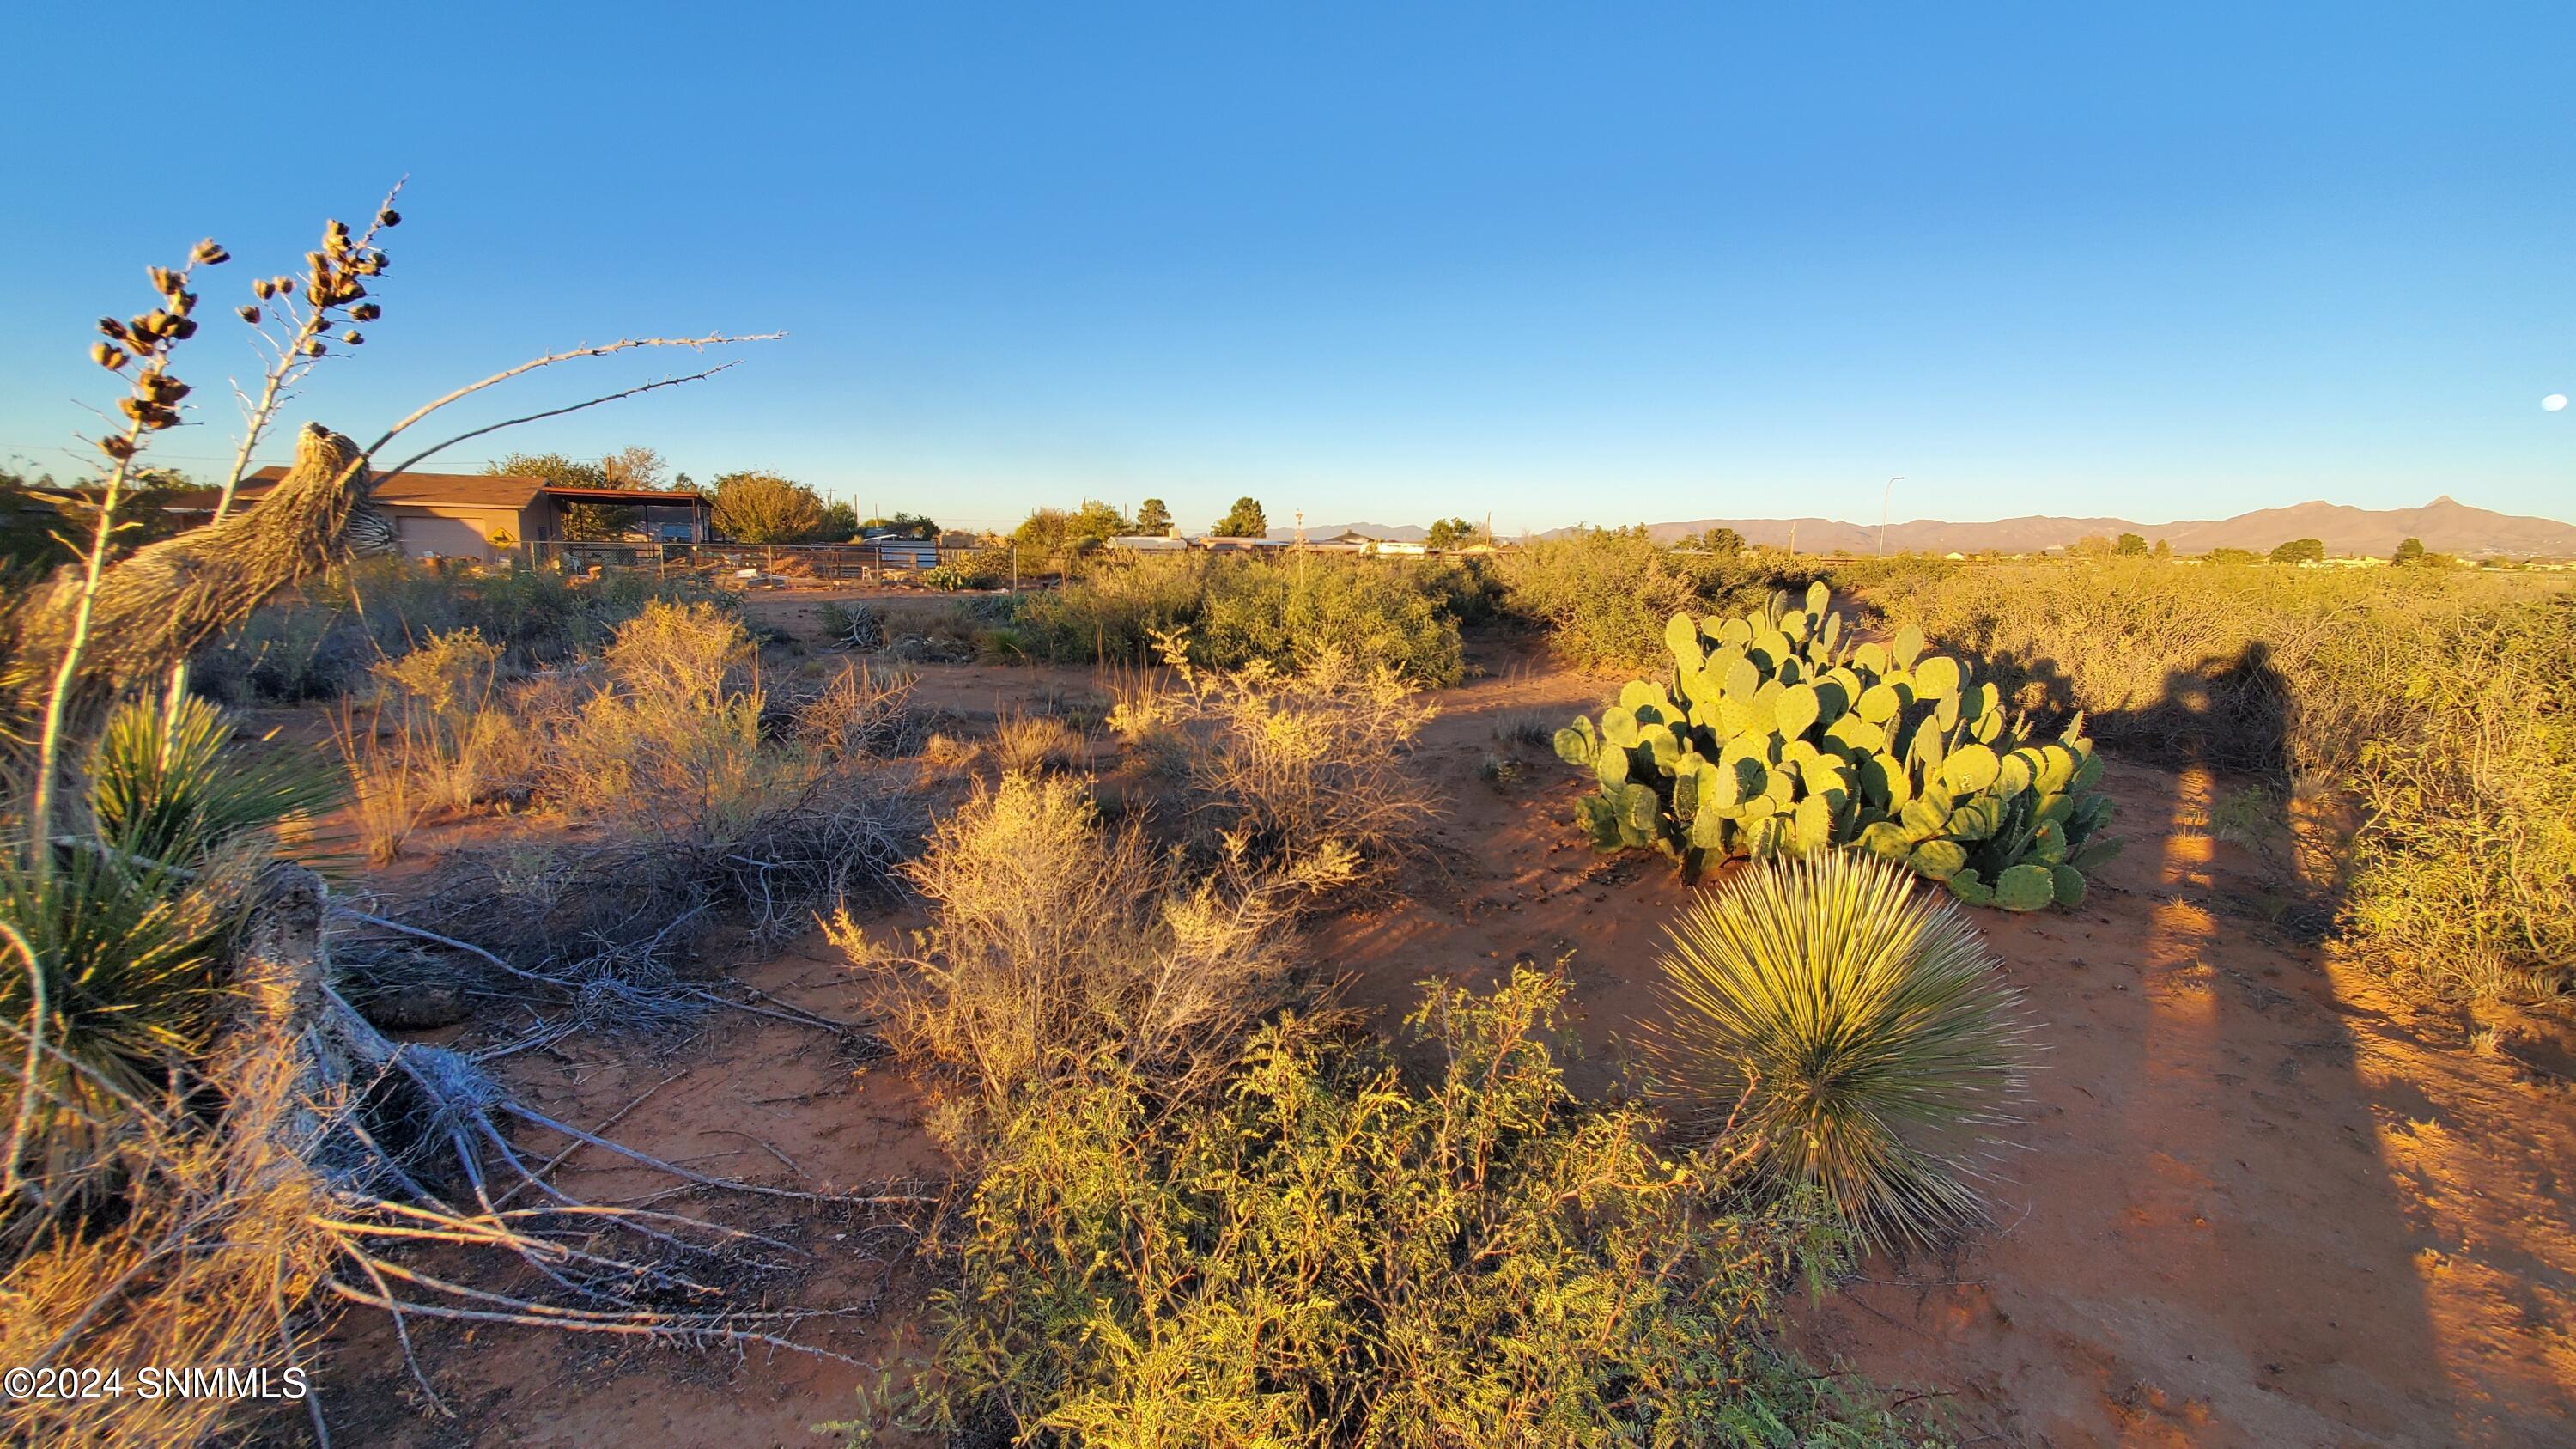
169, 782
1858, 1027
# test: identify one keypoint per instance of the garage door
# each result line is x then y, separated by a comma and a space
422, 535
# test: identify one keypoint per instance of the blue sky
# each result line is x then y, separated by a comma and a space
1558, 263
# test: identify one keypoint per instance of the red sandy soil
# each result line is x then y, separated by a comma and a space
2265, 1200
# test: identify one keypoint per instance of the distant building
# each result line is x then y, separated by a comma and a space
482, 517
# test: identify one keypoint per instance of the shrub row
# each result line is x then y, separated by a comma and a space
320, 642
2444, 704
1283, 612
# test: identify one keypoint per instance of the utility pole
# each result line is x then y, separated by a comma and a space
1883, 495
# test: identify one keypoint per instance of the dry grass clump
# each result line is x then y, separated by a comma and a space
1056, 938
861, 713
1029, 744
460, 743
1287, 763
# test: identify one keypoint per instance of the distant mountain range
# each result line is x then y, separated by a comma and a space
2445, 525
1398, 532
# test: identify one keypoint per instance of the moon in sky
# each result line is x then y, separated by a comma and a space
2554, 402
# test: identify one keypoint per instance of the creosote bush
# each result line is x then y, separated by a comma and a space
1240, 611
1323, 1252
1859, 1030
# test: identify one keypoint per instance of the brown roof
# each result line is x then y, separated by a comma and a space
459, 490
680, 497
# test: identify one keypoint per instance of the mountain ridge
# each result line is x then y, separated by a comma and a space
2445, 525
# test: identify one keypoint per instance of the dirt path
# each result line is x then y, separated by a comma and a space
2263, 1201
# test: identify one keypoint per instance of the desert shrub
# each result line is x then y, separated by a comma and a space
1603, 595
319, 642
459, 743
1287, 612
853, 626
1031, 744
1115, 611
1056, 939
1240, 611
2282, 672
984, 568
2465, 866
672, 740
1859, 1030
2439, 699
1326, 1253
860, 713
1288, 763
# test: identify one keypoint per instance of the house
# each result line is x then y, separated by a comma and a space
1150, 542
482, 517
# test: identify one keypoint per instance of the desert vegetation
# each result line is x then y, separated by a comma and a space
1798, 736
2429, 710
1190, 946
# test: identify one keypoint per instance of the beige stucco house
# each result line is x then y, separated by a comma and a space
478, 517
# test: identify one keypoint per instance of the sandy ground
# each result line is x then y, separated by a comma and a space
2263, 1201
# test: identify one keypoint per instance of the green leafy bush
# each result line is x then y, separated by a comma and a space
1286, 613
1782, 731
1323, 1253
1858, 1030
985, 568
1238, 611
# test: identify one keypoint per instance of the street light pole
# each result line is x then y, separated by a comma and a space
1883, 495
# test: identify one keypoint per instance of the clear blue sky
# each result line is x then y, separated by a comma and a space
1605, 263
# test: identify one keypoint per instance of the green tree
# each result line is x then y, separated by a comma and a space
1055, 533
2129, 545
840, 523
2163, 551
2300, 550
1715, 540
579, 520
2233, 556
634, 466
1450, 533
2409, 552
1153, 519
755, 507
903, 525
1244, 520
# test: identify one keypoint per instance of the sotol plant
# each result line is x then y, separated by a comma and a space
1782, 732
1858, 1029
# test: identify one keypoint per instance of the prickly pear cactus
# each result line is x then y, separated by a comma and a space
1781, 731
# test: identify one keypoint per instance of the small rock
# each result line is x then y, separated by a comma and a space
413, 1008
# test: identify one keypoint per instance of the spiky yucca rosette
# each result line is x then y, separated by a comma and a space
1858, 1026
